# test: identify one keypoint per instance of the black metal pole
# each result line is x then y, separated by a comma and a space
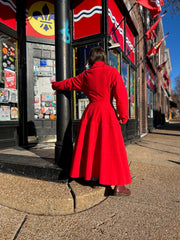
105, 25
63, 148
123, 18
22, 79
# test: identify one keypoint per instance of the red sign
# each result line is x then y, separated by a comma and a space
130, 50
114, 18
10, 79
87, 18
8, 13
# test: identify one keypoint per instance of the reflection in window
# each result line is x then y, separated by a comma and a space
124, 73
149, 103
114, 62
79, 98
114, 59
8, 79
132, 93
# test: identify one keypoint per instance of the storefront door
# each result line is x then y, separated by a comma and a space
41, 99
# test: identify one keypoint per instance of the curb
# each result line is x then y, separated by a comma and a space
38, 197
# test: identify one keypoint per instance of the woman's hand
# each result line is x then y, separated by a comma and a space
120, 120
53, 85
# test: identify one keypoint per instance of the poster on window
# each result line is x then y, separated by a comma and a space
82, 103
14, 112
10, 79
13, 98
4, 113
8, 55
4, 95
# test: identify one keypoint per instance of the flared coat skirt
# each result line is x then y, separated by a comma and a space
99, 148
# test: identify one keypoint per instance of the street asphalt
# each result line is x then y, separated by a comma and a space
35, 209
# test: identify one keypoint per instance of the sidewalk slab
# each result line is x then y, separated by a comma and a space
10, 222
35, 196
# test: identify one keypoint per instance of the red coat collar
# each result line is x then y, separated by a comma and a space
98, 64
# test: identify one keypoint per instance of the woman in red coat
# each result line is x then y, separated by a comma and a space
99, 151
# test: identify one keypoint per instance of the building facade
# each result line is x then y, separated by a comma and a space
43, 41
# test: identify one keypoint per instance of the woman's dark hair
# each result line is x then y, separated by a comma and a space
96, 54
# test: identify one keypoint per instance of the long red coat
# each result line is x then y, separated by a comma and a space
99, 148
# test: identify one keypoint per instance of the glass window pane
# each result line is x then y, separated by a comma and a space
114, 59
124, 73
148, 103
132, 93
8, 79
114, 62
79, 98
44, 96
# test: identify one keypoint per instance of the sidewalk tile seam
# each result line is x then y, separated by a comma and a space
21, 226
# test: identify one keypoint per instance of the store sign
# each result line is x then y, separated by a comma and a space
114, 18
87, 18
130, 43
40, 21
8, 13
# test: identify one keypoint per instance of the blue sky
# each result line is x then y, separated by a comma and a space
171, 24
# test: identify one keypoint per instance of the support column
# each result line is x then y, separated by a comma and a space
63, 149
22, 79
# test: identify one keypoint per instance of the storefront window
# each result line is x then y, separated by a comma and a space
132, 93
44, 96
150, 92
8, 79
114, 62
148, 106
79, 98
125, 73
149, 103
114, 59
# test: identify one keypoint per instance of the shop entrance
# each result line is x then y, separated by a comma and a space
41, 99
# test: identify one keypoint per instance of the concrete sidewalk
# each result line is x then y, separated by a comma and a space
32, 209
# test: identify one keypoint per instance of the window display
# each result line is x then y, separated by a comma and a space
44, 96
8, 79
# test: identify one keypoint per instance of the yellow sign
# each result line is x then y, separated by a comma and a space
41, 17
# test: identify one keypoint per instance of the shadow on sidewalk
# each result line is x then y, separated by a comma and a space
174, 162
164, 151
